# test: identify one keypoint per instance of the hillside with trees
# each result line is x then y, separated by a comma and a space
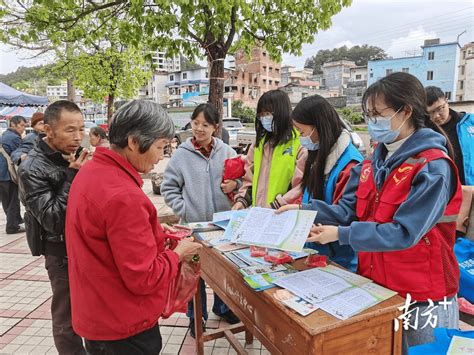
32, 80
358, 54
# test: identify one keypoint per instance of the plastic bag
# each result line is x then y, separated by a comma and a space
182, 288
234, 168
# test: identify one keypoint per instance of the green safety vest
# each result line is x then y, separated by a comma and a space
282, 168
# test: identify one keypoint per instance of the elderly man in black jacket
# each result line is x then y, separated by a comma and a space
45, 177
11, 140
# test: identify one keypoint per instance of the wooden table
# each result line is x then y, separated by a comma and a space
281, 330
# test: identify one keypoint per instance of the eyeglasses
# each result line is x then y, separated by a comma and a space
438, 110
371, 116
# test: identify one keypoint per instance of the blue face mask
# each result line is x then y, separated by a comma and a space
381, 130
267, 122
307, 142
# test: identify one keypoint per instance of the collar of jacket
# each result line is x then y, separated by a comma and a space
53, 155
108, 156
12, 130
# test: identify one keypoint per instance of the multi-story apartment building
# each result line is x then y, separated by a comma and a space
465, 85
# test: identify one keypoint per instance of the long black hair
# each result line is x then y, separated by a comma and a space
278, 103
316, 111
401, 91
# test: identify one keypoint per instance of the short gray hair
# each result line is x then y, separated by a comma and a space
145, 121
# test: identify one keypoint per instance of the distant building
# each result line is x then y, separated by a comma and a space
336, 75
289, 74
301, 89
59, 92
252, 76
164, 64
356, 86
465, 85
437, 66
188, 88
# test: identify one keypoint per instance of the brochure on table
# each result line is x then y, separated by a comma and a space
263, 227
334, 290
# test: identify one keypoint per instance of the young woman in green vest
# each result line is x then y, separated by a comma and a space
275, 162
331, 156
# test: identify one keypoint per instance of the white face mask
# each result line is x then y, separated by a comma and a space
267, 122
307, 142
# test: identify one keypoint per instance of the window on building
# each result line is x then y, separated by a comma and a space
462, 69
264, 68
207, 74
431, 55
359, 94
242, 90
270, 82
463, 54
461, 84
277, 70
358, 76
277, 83
185, 76
323, 82
264, 54
371, 75
264, 81
429, 75
171, 77
406, 70
388, 71
270, 69
460, 98
447, 94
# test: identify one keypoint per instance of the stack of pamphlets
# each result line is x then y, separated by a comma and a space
261, 277
336, 291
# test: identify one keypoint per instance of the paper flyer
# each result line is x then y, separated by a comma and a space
263, 227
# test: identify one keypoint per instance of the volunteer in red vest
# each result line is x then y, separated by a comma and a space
399, 209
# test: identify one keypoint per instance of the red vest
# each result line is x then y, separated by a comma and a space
427, 269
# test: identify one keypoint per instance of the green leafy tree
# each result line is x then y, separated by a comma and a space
245, 113
358, 54
212, 28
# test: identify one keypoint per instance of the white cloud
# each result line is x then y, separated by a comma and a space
410, 44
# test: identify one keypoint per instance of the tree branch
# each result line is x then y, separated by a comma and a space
230, 38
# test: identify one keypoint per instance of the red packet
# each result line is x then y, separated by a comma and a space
257, 251
277, 257
315, 260
173, 237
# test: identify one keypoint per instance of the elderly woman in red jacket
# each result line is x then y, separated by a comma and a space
119, 268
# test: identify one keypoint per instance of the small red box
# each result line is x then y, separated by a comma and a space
278, 257
316, 260
257, 251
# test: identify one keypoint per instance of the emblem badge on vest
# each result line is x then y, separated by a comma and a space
288, 151
365, 174
397, 178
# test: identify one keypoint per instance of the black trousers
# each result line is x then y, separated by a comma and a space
65, 339
11, 205
144, 343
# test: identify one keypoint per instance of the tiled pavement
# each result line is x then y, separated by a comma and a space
25, 300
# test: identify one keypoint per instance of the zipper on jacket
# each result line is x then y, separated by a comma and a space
427, 240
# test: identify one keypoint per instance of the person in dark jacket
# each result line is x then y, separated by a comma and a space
45, 177
29, 141
11, 140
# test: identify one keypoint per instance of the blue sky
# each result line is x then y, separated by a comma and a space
398, 26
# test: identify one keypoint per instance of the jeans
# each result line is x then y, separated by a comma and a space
218, 308
446, 318
11, 205
144, 343
65, 339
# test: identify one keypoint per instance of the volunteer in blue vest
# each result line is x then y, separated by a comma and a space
459, 127
275, 162
331, 156
193, 187
398, 210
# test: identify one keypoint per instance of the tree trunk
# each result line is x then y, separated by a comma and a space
71, 90
110, 107
216, 83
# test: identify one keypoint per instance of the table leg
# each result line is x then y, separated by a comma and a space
198, 322
248, 337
